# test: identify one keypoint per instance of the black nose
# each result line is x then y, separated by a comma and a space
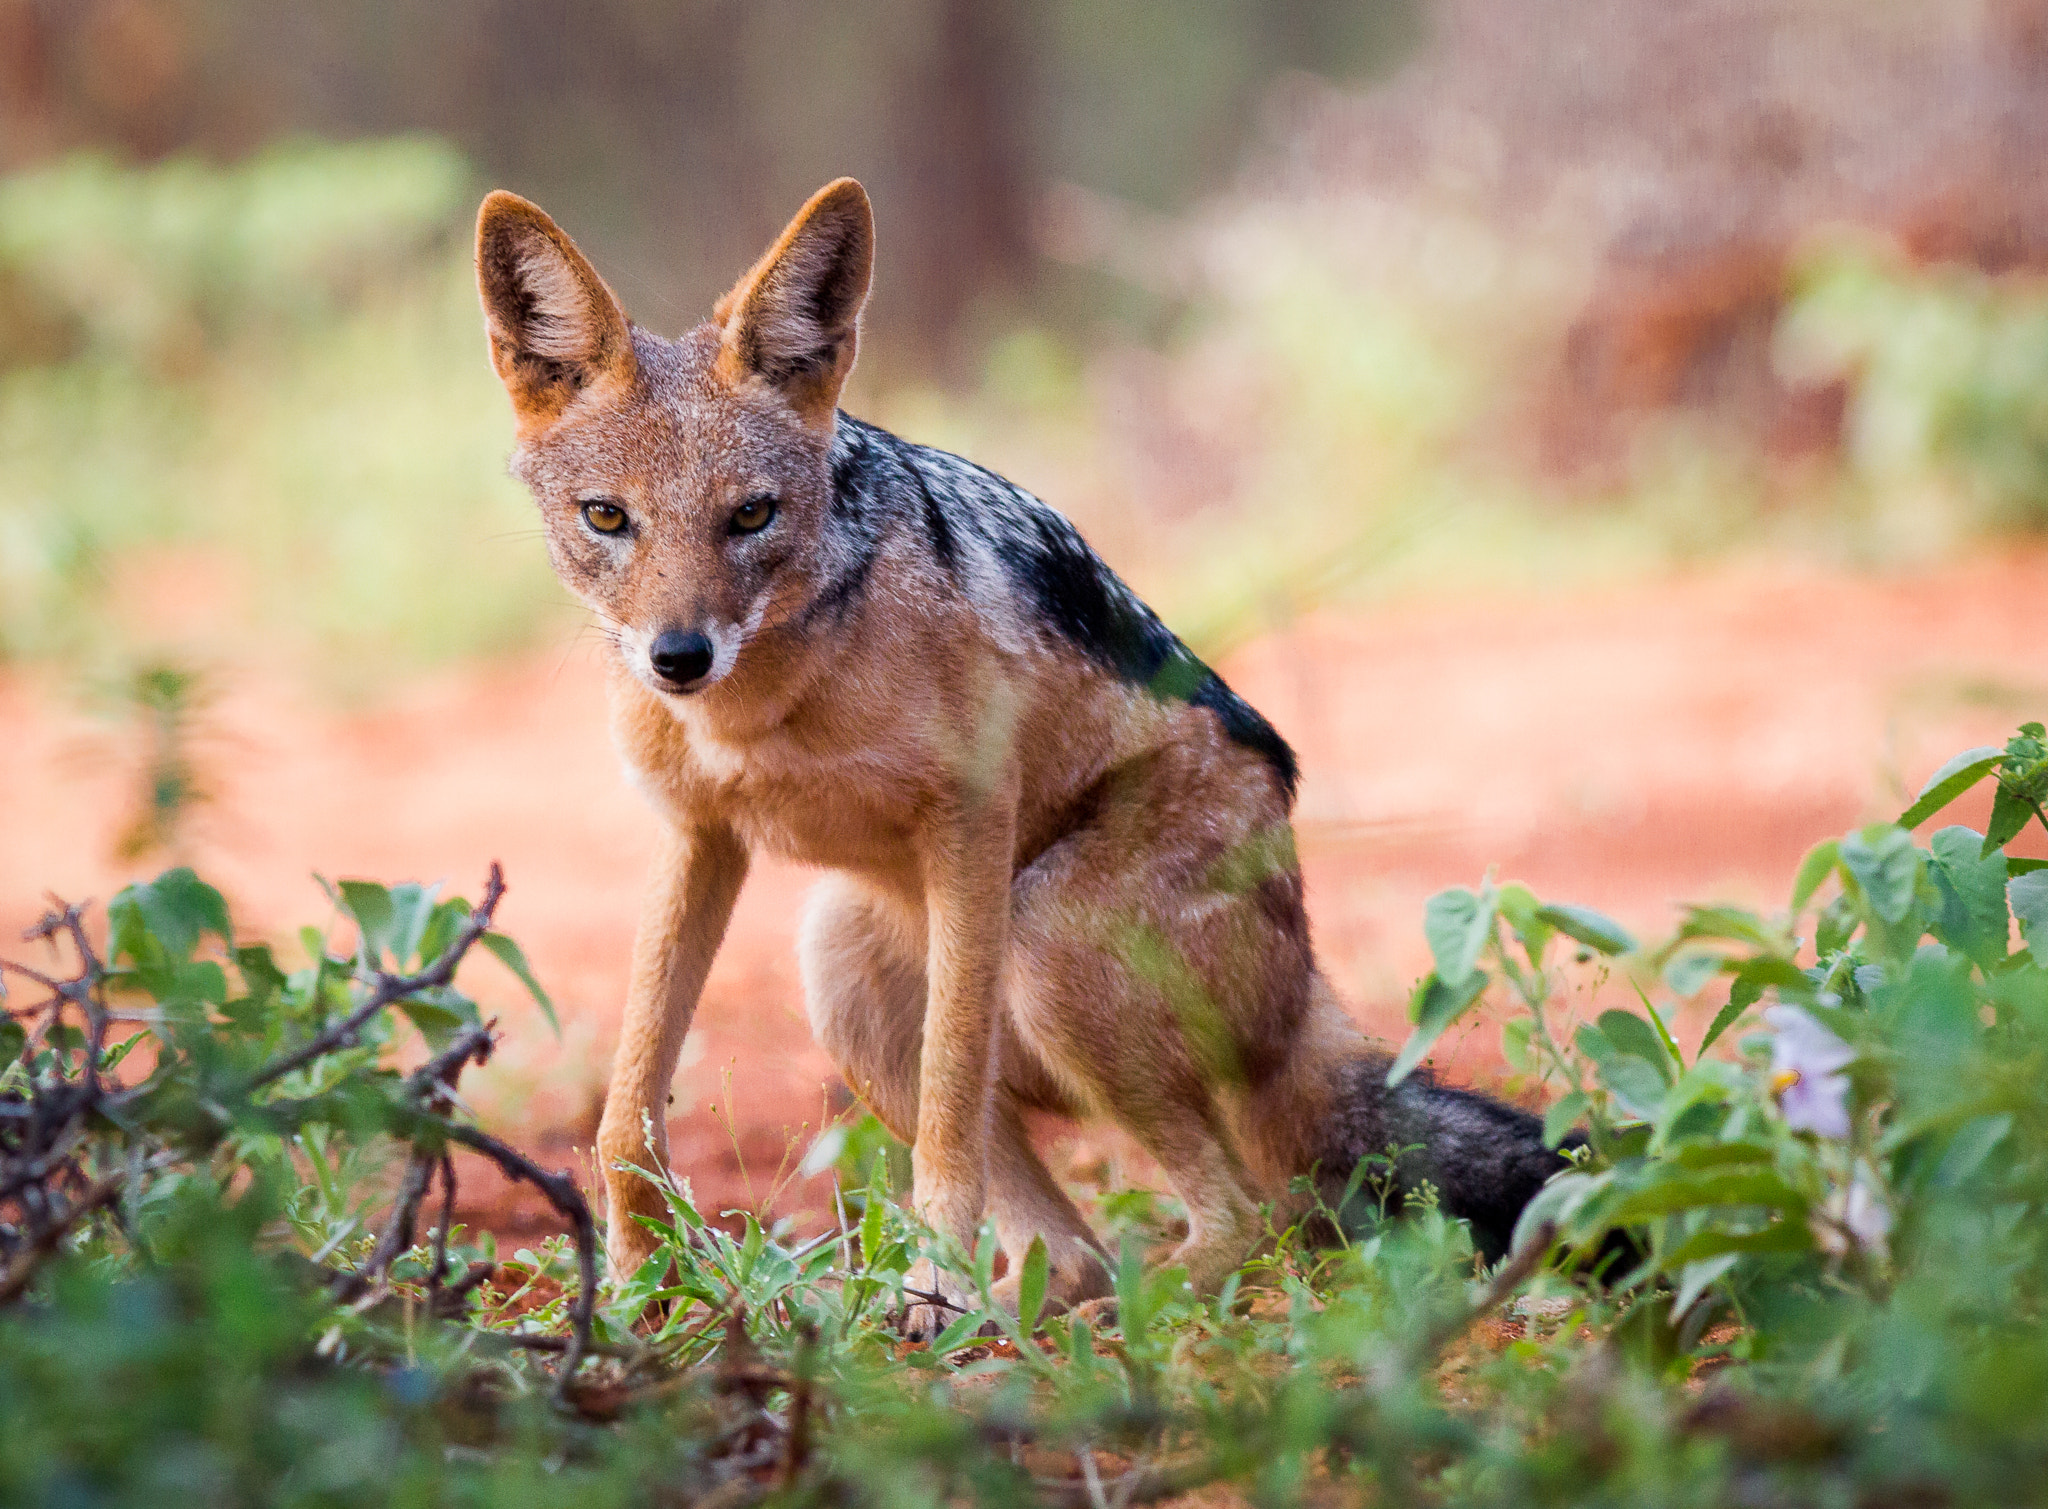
679, 657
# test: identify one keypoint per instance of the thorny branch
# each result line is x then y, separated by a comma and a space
50, 1184
388, 991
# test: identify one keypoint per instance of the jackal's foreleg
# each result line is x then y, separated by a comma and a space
966, 855
696, 877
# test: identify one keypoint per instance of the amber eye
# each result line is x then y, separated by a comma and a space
605, 516
753, 515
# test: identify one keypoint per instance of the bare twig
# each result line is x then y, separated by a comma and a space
933, 1298
16, 1275
1140, 1485
561, 1192
46, 1181
797, 1448
440, 1269
397, 1237
1512, 1275
388, 990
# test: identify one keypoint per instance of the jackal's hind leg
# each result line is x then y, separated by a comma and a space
1159, 966
864, 990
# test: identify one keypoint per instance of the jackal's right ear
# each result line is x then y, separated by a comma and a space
556, 331
793, 320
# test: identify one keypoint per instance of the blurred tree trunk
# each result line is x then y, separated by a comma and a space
959, 227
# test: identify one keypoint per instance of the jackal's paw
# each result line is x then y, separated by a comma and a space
1083, 1276
936, 1299
1098, 1313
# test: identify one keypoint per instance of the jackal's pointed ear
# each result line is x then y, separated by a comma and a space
793, 319
556, 330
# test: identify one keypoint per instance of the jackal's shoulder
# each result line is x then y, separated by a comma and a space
1025, 568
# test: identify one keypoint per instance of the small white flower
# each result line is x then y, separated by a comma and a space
1866, 1215
1856, 1217
1806, 1073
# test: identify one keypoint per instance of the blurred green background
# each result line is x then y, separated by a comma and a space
1285, 301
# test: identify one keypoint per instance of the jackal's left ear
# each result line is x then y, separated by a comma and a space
556, 331
793, 319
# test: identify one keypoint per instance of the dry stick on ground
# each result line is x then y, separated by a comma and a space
561, 1192
431, 1088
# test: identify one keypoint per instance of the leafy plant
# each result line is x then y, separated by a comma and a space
1832, 1287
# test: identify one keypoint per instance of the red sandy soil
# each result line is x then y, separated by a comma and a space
1627, 749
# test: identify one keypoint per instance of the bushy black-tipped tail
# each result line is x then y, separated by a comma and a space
1486, 1159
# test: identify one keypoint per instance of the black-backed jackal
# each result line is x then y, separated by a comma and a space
1062, 871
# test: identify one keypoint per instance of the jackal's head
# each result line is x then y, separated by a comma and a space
684, 485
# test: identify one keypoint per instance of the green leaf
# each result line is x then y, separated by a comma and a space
1778, 974
175, 909
2009, 814
1687, 974
1887, 866
1673, 1191
1630, 1034
1635, 1084
1663, 1030
1694, 1279
1788, 1235
1969, 1148
1518, 904
1835, 925
2029, 896
870, 1232
1816, 867
679, 1203
12, 1040
1697, 1155
963, 1332
412, 908
1973, 917
985, 1249
1457, 924
1436, 1006
260, 974
1731, 922
444, 922
439, 1018
370, 905
1741, 996
1031, 1286
1558, 1201
1562, 1116
1949, 782
2024, 866
1600, 933
1515, 1036
508, 954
